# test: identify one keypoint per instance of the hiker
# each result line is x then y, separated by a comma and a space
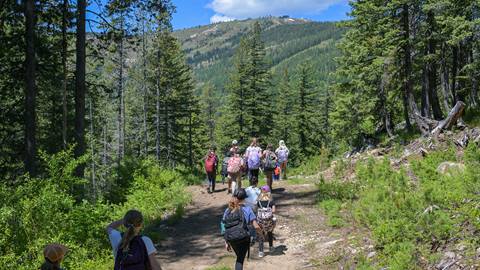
276, 172
130, 249
253, 155
251, 201
282, 153
234, 170
234, 146
266, 220
237, 218
224, 171
269, 164
211, 163
53, 254
252, 194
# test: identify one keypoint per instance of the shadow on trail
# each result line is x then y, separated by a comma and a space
197, 234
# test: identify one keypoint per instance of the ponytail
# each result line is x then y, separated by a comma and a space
132, 219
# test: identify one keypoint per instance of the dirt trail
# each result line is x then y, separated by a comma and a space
302, 238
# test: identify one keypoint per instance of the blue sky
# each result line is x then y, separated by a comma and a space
200, 12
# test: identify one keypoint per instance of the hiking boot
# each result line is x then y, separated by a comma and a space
261, 254
272, 249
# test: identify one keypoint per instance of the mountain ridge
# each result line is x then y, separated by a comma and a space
209, 49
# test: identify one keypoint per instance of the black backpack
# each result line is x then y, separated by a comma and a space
136, 258
235, 226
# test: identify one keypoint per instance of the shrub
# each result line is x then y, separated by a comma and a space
41, 211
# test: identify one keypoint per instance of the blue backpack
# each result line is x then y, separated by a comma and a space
254, 160
136, 258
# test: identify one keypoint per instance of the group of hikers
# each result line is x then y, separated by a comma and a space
249, 217
236, 165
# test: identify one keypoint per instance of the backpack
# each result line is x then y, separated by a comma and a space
270, 163
136, 258
282, 155
210, 163
234, 165
235, 226
254, 160
264, 213
225, 165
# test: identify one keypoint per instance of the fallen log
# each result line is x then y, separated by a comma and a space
451, 119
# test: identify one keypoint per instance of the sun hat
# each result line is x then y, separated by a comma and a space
266, 188
234, 142
54, 252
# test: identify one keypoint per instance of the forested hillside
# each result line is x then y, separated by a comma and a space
115, 110
288, 42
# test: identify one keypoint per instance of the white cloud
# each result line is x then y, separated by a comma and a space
240, 9
220, 18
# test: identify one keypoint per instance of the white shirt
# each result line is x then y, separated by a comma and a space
116, 238
252, 193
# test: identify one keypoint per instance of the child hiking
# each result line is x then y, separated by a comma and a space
269, 164
234, 170
211, 164
266, 220
237, 218
253, 155
224, 171
131, 250
282, 153
53, 254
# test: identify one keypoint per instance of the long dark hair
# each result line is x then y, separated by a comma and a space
132, 219
48, 265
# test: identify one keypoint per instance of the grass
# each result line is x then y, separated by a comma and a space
410, 221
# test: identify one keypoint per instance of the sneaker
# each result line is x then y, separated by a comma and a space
261, 254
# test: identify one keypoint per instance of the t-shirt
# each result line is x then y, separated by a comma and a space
252, 193
116, 238
248, 214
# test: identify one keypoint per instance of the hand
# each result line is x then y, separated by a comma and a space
228, 247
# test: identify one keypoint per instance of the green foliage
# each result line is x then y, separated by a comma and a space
410, 218
41, 211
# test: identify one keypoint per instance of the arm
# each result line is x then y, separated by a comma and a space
154, 262
114, 225
274, 208
255, 225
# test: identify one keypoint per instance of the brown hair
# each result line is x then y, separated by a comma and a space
270, 147
233, 204
265, 196
254, 141
131, 220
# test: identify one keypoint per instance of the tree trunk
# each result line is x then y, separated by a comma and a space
157, 121
190, 141
92, 149
65, 72
120, 115
425, 105
454, 115
474, 79
30, 89
453, 86
144, 86
386, 119
80, 86
445, 81
432, 70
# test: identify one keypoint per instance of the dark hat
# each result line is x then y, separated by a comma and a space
240, 194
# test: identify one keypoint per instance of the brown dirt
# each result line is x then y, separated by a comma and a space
303, 241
